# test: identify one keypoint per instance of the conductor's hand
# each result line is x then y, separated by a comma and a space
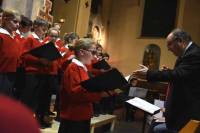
162, 109
103, 70
104, 94
45, 62
141, 73
165, 68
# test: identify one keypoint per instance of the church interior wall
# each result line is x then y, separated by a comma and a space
125, 45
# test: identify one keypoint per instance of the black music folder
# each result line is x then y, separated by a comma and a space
47, 51
110, 80
102, 65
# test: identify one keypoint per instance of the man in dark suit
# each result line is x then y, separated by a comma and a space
183, 98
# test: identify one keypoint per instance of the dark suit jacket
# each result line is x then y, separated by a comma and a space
183, 102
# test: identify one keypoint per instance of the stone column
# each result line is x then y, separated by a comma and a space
18, 5
36, 6
29, 8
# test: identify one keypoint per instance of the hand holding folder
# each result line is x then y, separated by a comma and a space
47, 51
110, 80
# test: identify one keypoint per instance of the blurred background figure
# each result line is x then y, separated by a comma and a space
24, 28
70, 39
16, 118
1, 14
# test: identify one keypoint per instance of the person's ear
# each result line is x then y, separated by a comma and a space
178, 40
81, 52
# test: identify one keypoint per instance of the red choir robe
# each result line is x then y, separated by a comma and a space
16, 118
76, 102
19, 36
68, 55
56, 64
10, 51
32, 63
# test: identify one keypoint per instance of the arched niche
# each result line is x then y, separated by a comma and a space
151, 57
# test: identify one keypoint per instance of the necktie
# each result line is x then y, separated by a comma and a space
169, 88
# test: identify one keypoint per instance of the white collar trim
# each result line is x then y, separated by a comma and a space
4, 31
18, 32
190, 43
77, 62
36, 36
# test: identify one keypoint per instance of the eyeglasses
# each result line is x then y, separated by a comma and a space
92, 51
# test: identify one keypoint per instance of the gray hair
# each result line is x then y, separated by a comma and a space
53, 29
181, 36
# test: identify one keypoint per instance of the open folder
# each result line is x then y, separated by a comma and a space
102, 65
47, 51
110, 80
144, 105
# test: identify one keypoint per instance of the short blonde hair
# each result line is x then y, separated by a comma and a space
83, 43
10, 14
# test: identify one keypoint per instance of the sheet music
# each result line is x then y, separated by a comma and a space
127, 77
160, 120
144, 105
159, 116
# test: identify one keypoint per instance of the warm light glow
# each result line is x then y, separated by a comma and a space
62, 20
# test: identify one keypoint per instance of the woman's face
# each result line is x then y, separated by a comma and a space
99, 50
86, 56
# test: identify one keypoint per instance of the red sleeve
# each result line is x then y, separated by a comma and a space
94, 71
27, 45
76, 93
46, 39
64, 61
28, 58
59, 43
1, 41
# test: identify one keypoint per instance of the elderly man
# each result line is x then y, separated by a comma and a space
183, 97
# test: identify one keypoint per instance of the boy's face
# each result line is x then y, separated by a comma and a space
54, 35
41, 31
11, 24
26, 29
